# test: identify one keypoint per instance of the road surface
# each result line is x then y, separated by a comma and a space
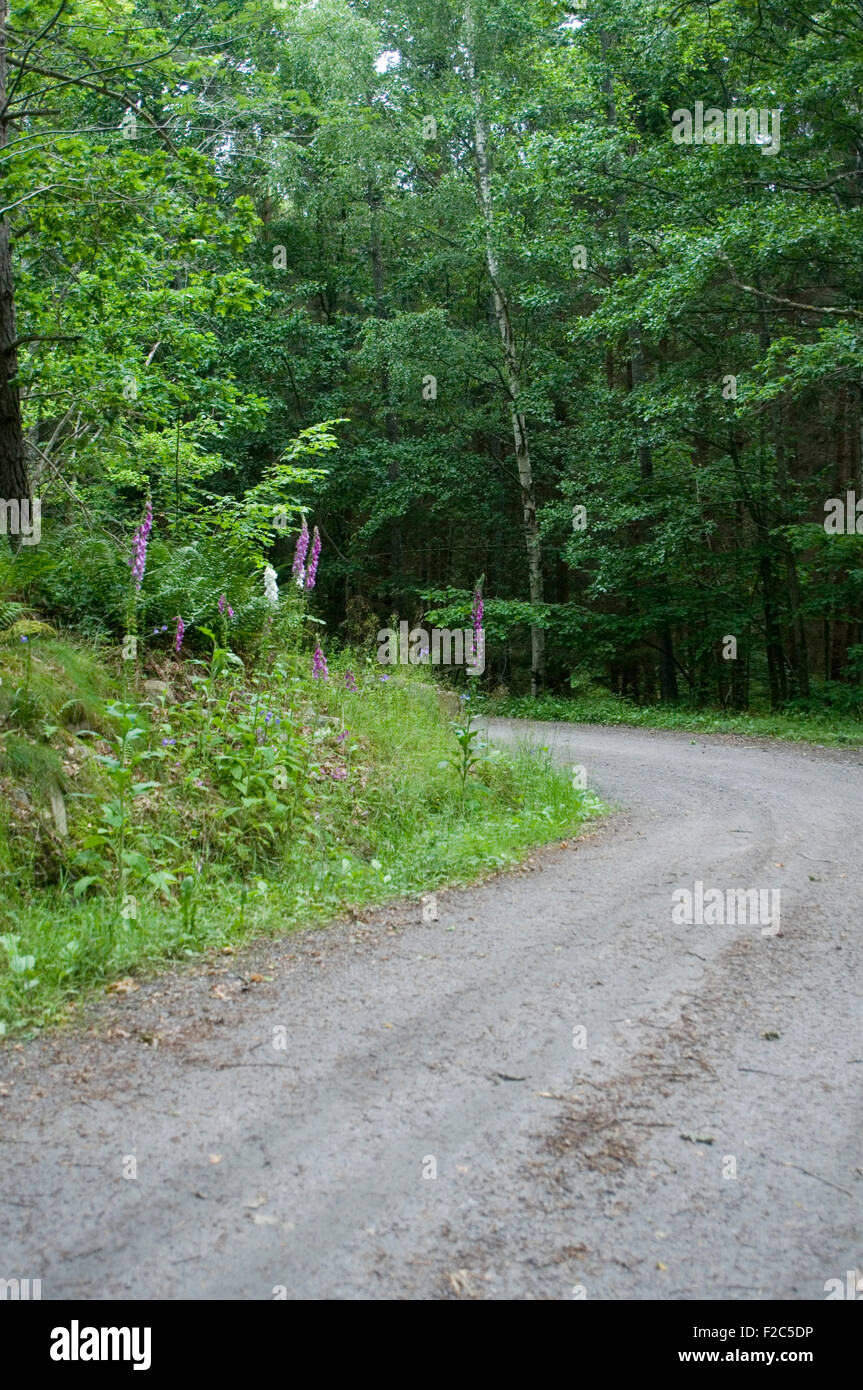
554, 1091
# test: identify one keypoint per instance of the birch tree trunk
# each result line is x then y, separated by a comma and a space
510, 357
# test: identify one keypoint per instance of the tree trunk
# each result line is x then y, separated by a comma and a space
14, 482
397, 581
797, 644
510, 355
637, 376
772, 635
799, 656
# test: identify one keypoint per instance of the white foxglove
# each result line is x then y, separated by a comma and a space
271, 588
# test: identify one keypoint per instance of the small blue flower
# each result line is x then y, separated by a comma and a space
167, 742
25, 639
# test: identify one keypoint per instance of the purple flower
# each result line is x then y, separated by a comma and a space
313, 560
178, 635
167, 742
138, 558
298, 569
319, 664
222, 603
350, 683
25, 639
230, 611
384, 678
342, 736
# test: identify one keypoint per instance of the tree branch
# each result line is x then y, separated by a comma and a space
124, 97
789, 303
28, 50
40, 338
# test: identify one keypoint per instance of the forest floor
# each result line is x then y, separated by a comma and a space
448, 1047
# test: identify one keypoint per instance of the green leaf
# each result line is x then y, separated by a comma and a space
82, 884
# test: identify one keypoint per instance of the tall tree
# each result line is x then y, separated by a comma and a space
503, 314
14, 482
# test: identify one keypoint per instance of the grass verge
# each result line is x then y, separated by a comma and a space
231, 804
804, 727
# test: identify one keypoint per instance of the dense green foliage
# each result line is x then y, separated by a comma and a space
596, 706
234, 222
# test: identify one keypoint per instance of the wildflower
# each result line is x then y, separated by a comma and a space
230, 611
299, 566
342, 736
222, 603
25, 639
338, 773
178, 635
350, 682
267, 717
313, 560
271, 588
319, 664
384, 678
138, 558
168, 742
164, 628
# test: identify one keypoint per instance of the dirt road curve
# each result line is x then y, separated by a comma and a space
599, 1168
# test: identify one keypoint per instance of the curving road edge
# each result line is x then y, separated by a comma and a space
554, 1091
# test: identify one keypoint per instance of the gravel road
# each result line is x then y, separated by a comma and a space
592, 1163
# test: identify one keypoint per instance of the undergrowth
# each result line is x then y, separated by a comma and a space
834, 728
143, 823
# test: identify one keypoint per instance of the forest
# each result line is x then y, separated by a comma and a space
565, 297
